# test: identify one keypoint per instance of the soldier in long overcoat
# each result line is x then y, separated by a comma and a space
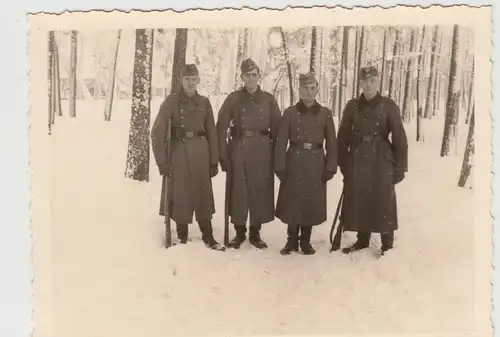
251, 115
194, 157
305, 166
371, 163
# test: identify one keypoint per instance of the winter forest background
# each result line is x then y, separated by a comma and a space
125, 74
110, 274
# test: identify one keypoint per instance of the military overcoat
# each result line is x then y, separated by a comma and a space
250, 158
302, 194
191, 157
368, 160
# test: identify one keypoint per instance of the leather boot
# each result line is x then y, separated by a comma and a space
362, 242
292, 242
255, 239
387, 241
240, 237
182, 232
208, 237
305, 240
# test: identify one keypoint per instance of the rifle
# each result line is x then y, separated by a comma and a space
335, 241
168, 185
227, 204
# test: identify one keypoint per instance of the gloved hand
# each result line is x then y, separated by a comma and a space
281, 175
214, 169
328, 175
165, 169
398, 177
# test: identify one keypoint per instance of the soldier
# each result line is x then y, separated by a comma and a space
371, 164
252, 116
194, 156
304, 169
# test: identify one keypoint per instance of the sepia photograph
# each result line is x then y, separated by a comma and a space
310, 171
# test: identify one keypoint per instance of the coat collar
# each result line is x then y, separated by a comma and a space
302, 108
255, 96
183, 97
372, 103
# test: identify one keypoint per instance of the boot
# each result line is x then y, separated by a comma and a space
387, 241
362, 242
240, 237
208, 237
292, 242
305, 240
182, 232
255, 239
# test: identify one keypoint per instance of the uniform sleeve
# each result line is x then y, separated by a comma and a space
343, 138
330, 144
159, 133
275, 118
399, 138
282, 142
211, 134
223, 121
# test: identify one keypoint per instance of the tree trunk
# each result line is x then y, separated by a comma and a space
471, 94
343, 70
57, 82
453, 100
438, 86
288, 65
469, 153
72, 73
355, 61
312, 64
428, 103
111, 87
360, 57
407, 103
384, 60
50, 78
420, 70
137, 166
179, 60
241, 54
395, 51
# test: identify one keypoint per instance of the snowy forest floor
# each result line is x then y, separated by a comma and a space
112, 277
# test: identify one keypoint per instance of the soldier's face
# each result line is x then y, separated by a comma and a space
190, 83
370, 85
251, 79
308, 92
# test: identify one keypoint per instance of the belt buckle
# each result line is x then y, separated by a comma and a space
189, 134
308, 146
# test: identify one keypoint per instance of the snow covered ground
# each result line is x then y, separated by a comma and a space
112, 277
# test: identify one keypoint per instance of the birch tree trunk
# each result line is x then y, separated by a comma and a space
72, 73
384, 60
288, 65
137, 166
112, 78
343, 70
429, 100
50, 78
360, 57
471, 95
420, 99
355, 62
312, 64
469, 153
240, 55
408, 79
453, 100
57, 82
395, 52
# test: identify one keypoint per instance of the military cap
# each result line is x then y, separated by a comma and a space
248, 65
307, 78
367, 72
190, 70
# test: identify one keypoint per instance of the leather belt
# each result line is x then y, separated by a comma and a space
242, 133
182, 134
306, 146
